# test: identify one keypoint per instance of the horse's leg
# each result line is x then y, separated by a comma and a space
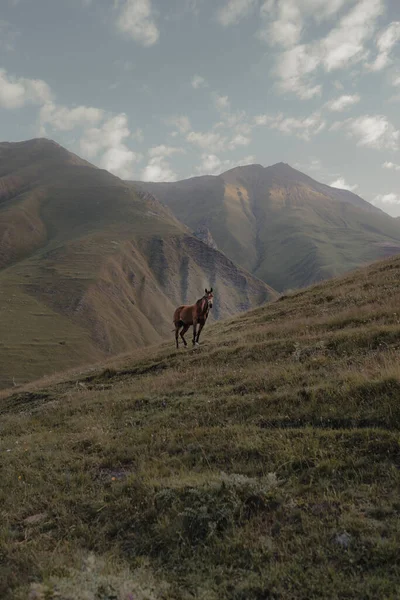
184, 330
194, 332
177, 327
199, 332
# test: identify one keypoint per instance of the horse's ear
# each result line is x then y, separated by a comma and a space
206, 291
211, 291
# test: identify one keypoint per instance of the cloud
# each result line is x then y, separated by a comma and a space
106, 144
17, 92
181, 122
344, 45
158, 167
61, 118
294, 68
342, 102
207, 140
222, 102
370, 131
136, 20
283, 21
391, 198
341, 184
390, 165
212, 141
211, 164
198, 82
303, 128
164, 151
385, 42
260, 120
234, 11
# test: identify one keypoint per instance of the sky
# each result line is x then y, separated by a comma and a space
162, 90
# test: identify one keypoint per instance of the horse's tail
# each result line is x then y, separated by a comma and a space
177, 315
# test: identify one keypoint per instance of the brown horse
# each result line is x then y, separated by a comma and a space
193, 314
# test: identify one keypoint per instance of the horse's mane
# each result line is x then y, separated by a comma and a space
199, 302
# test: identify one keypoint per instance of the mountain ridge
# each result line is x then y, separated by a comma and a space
280, 224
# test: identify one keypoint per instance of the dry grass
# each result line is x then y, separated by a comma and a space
265, 464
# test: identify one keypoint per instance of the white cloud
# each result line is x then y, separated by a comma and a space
238, 140
61, 118
371, 131
136, 20
345, 43
234, 11
211, 141
294, 68
385, 42
341, 184
106, 143
342, 102
390, 165
181, 122
391, 198
343, 46
207, 140
221, 102
17, 92
283, 21
396, 81
303, 128
164, 151
158, 167
261, 120
198, 82
212, 164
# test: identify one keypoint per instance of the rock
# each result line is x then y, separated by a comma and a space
343, 539
32, 520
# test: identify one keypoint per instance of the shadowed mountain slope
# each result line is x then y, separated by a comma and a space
90, 267
280, 224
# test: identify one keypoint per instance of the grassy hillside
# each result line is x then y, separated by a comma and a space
89, 267
280, 224
265, 464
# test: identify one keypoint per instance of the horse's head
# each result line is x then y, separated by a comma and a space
209, 297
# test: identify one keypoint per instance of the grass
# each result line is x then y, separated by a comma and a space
265, 464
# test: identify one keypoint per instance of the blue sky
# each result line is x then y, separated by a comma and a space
167, 89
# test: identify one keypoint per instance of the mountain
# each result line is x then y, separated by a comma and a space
264, 465
90, 267
280, 224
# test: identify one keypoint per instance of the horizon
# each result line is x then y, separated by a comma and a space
316, 84
185, 179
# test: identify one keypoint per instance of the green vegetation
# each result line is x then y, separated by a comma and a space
281, 225
264, 464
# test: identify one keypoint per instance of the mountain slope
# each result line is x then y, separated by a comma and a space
265, 464
280, 224
91, 267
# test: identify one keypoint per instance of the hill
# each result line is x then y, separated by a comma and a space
280, 224
90, 267
265, 464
